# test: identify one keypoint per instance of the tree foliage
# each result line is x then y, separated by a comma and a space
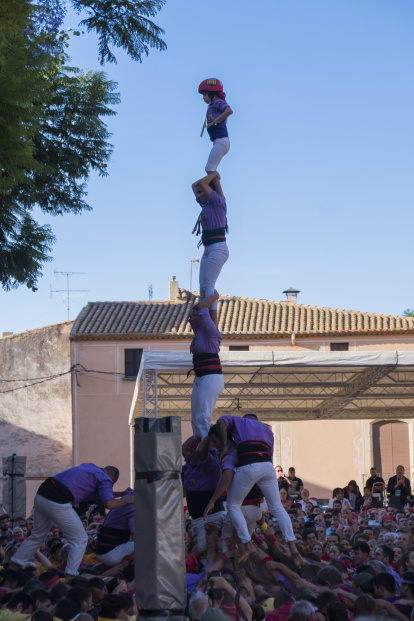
409, 312
52, 135
123, 24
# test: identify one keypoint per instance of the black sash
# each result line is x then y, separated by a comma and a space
55, 491
110, 538
253, 452
198, 501
214, 236
207, 364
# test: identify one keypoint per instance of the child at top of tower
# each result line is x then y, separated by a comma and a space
216, 121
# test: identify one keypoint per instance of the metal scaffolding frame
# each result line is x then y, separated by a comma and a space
291, 390
149, 393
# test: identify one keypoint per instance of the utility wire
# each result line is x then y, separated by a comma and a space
76, 368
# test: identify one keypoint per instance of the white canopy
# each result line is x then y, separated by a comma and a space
284, 385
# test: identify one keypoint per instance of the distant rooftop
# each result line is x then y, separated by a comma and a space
239, 318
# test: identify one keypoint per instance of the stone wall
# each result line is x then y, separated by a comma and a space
37, 421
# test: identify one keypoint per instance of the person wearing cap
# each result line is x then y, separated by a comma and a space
399, 486
200, 475
389, 521
53, 504
212, 224
208, 382
218, 112
254, 444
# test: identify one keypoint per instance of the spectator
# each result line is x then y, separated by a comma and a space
282, 480
297, 484
399, 487
197, 606
5, 526
304, 495
338, 495
364, 606
353, 495
284, 499
376, 484
66, 609
385, 554
114, 607
360, 554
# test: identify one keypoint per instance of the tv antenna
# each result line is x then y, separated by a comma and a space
193, 262
150, 292
67, 290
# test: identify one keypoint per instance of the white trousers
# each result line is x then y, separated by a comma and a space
252, 514
198, 530
245, 477
213, 259
206, 391
67, 520
115, 556
219, 149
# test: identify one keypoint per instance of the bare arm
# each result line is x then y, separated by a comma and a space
205, 182
118, 502
222, 431
221, 583
207, 302
202, 448
222, 485
217, 186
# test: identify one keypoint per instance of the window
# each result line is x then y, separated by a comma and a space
339, 346
239, 348
132, 362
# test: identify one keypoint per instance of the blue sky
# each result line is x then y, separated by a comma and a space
318, 180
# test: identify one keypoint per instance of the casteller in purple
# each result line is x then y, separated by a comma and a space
207, 337
214, 110
86, 482
122, 517
248, 430
214, 213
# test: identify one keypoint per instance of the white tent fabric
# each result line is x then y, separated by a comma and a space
353, 371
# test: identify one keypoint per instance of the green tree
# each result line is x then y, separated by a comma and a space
51, 137
125, 24
408, 312
51, 130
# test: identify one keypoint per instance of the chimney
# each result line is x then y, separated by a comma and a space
173, 288
7, 334
292, 295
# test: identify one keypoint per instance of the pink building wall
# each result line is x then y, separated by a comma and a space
101, 405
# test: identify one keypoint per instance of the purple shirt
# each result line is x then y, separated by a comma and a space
214, 110
248, 429
121, 517
214, 213
229, 461
86, 482
207, 337
203, 477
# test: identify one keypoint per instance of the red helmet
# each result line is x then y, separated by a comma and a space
210, 86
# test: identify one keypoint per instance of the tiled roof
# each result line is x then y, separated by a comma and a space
239, 318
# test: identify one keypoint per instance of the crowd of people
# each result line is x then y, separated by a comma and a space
351, 559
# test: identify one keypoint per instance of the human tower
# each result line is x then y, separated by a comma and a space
243, 465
